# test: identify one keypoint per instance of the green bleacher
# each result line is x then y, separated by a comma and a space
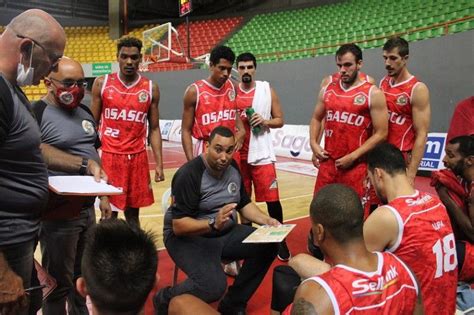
309, 32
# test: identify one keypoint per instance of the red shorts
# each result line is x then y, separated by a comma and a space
466, 273
354, 177
131, 173
264, 181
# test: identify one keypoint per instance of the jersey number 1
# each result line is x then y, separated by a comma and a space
445, 251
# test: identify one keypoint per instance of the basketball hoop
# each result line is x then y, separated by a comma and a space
143, 66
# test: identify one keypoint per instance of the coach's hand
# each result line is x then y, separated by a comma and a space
94, 169
159, 174
105, 208
224, 215
12, 295
345, 162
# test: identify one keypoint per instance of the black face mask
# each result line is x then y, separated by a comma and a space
246, 78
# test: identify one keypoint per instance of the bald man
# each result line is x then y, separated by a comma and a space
30, 48
68, 125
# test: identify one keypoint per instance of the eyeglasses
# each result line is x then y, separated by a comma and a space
54, 63
69, 83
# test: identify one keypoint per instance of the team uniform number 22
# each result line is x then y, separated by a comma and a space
445, 251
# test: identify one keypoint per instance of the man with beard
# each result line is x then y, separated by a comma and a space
355, 120
457, 194
408, 103
201, 228
257, 164
123, 102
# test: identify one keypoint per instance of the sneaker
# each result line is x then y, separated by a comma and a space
161, 301
226, 308
231, 269
283, 252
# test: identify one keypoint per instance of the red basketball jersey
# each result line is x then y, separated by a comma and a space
391, 289
400, 125
214, 107
347, 123
426, 243
244, 101
124, 114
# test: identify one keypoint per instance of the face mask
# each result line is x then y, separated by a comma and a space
25, 77
69, 98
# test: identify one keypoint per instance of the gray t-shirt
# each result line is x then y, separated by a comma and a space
198, 194
23, 175
72, 131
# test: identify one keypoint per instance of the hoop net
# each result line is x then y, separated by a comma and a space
162, 44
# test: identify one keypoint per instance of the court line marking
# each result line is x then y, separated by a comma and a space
284, 199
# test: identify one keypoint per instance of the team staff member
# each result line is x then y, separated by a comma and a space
260, 170
377, 283
408, 103
30, 47
68, 125
123, 102
210, 103
201, 228
354, 114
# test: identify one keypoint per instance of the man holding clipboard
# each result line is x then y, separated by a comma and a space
68, 125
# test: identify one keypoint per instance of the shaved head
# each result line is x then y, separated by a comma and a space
33, 37
67, 68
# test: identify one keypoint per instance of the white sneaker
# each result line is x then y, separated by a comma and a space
231, 269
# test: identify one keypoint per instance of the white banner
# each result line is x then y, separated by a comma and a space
165, 128
292, 141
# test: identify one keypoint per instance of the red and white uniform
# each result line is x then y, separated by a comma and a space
263, 177
347, 126
466, 272
124, 114
399, 103
214, 107
391, 289
426, 244
123, 131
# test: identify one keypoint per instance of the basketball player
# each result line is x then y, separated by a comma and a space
414, 226
124, 102
377, 283
210, 103
261, 173
408, 103
354, 113
330, 78
459, 159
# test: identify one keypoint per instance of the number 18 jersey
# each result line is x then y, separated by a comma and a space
426, 244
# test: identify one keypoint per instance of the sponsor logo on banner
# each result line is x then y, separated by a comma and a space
292, 141
175, 131
434, 152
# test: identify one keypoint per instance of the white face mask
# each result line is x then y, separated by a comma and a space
25, 77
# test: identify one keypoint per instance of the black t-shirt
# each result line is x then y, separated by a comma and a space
199, 195
23, 175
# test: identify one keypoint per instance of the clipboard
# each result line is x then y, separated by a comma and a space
81, 186
269, 234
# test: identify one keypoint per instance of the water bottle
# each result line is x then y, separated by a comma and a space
249, 112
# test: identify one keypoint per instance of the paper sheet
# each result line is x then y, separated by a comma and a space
81, 185
269, 234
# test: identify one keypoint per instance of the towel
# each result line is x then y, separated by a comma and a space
455, 187
260, 146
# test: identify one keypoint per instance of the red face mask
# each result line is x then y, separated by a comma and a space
69, 98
